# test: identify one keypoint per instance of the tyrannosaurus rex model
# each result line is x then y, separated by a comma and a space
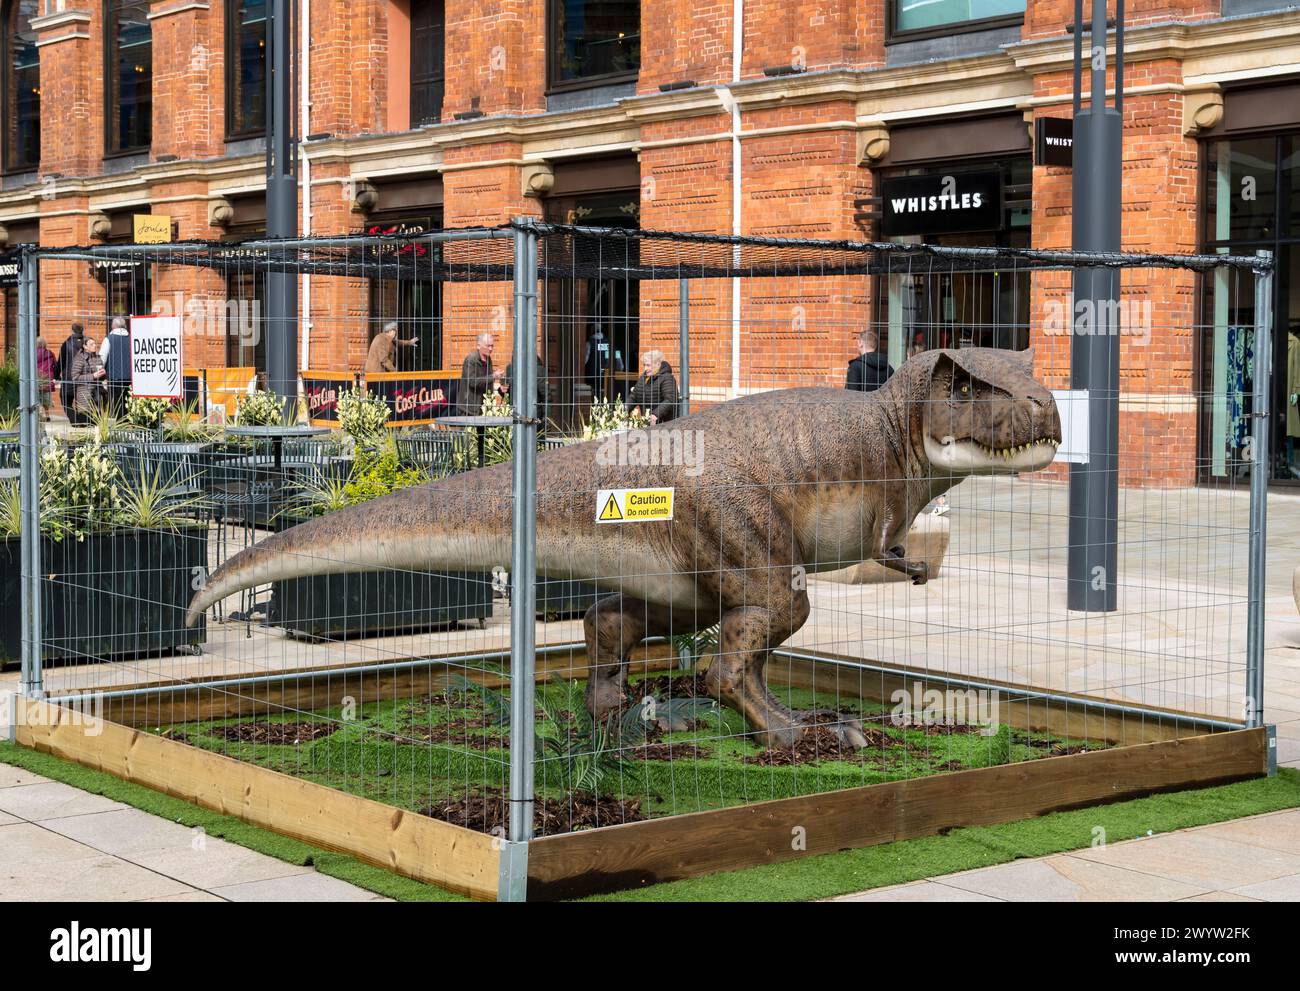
785, 483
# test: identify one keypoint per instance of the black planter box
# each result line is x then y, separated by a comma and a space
370, 603
563, 597
112, 595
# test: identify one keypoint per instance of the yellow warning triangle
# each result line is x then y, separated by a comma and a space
611, 511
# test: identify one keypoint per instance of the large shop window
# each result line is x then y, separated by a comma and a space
592, 343
245, 68
22, 87
594, 41
246, 319
410, 295
949, 309
128, 74
428, 61
908, 17
1251, 202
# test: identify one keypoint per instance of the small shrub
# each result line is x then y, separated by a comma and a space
362, 414
260, 409
146, 412
80, 490
607, 417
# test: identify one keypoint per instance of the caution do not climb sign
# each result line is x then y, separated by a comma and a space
634, 505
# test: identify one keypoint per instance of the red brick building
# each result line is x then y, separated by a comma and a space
746, 117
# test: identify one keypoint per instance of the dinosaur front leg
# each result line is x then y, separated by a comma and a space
737, 677
612, 627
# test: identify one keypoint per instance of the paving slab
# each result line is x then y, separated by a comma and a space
1197, 858
125, 831
83, 879
310, 887
1279, 889
1273, 831
52, 800
11, 776
917, 891
1070, 879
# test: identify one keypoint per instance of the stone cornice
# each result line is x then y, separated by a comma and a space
179, 8
1180, 40
59, 19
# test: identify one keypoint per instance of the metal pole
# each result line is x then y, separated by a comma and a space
523, 563
281, 206
1093, 578
684, 345
1259, 466
29, 476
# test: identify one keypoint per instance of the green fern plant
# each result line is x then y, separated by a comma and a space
691, 647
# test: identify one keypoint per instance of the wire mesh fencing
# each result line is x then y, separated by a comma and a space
802, 515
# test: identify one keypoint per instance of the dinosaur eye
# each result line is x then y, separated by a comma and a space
965, 388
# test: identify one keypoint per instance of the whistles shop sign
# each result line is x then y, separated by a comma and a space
941, 204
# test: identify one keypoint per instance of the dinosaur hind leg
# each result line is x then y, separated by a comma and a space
612, 626
737, 677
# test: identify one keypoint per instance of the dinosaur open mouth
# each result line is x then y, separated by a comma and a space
976, 457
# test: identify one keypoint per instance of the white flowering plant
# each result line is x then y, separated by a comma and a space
146, 412
362, 414
606, 417
81, 490
260, 409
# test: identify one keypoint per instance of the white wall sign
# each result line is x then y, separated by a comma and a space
1072, 404
156, 357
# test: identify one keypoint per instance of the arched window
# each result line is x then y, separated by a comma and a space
245, 68
128, 75
21, 87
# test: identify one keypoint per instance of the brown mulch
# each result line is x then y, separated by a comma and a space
822, 744
666, 686
277, 734
665, 751
469, 733
486, 812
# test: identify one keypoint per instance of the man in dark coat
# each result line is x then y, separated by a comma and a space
478, 377
655, 392
67, 388
870, 369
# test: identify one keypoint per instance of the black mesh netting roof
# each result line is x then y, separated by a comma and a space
566, 252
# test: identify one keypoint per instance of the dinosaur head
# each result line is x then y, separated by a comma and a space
983, 412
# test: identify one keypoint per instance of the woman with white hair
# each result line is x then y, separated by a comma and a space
655, 391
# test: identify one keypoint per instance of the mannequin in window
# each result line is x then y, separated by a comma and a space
596, 361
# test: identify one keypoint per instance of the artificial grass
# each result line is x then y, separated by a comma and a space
381, 753
292, 851
982, 846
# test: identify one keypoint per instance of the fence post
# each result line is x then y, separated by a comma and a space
1259, 468
523, 564
29, 476
684, 345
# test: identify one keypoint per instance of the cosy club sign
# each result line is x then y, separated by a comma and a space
958, 202
413, 398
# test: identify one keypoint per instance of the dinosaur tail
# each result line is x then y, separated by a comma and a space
407, 530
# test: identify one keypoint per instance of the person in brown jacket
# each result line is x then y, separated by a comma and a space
380, 356
88, 378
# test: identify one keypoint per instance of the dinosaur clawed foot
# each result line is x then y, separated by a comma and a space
786, 734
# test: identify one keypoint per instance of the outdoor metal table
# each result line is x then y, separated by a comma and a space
479, 423
277, 436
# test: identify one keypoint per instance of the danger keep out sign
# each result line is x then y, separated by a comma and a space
634, 505
156, 357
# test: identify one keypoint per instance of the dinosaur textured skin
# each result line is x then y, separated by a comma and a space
786, 483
